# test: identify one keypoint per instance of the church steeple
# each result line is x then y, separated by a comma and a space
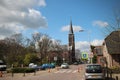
71, 28
71, 44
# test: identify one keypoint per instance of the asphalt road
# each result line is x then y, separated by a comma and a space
75, 72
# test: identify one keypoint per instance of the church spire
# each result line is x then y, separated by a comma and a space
71, 28
71, 44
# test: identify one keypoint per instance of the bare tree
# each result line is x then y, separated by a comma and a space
114, 23
13, 53
36, 36
18, 38
44, 45
56, 45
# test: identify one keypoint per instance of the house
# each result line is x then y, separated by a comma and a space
111, 49
108, 54
98, 51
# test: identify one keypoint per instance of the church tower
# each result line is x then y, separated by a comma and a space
71, 44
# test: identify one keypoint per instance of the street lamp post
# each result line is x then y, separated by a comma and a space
55, 59
81, 30
88, 31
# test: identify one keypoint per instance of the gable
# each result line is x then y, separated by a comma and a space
113, 42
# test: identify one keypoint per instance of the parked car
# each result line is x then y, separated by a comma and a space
32, 65
39, 68
48, 66
94, 71
2, 66
65, 65
76, 63
53, 65
36, 67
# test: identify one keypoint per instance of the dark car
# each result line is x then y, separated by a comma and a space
36, 67
46, 66
2, 66
39, 68
53, 65
76, 63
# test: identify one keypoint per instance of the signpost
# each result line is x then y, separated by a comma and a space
91, 56
84, 55
55, 59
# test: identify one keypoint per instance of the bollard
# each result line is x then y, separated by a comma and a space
107, 74
1, 73
57, 68
12, 74
111, 74
78, 70
49, 70
24, 74
116, 77
34, 73
81, 68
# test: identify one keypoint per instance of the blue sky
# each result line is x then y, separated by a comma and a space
53, 17
82, 12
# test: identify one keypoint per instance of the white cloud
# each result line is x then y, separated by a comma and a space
42, 3
100, 23
85, 45
2, 37
75, 28
8, 29
97, 42
17, 15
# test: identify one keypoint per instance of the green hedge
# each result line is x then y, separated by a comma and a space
115, 69
23, 70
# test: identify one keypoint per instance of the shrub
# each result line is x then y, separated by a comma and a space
23, 70
29, 70
9, 70
115, 69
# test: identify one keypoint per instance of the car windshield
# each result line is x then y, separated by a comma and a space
1, 62
94, 69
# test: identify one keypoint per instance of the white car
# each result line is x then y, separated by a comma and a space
65, 65
32, 65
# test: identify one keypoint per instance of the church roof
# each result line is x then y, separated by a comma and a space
71, 28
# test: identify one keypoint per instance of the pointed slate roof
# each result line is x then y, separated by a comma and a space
113, 42
71, 28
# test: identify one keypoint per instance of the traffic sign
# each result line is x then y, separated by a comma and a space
84, 55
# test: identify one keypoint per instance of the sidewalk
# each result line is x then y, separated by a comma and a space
22, 76
114, 76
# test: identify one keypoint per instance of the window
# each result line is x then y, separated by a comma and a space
94, 69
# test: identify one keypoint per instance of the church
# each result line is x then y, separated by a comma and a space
71, 44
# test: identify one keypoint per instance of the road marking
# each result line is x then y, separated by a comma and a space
56, 72
69, 71
74, 71
63, 71
66, 71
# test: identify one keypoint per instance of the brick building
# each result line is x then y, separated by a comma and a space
111, 49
